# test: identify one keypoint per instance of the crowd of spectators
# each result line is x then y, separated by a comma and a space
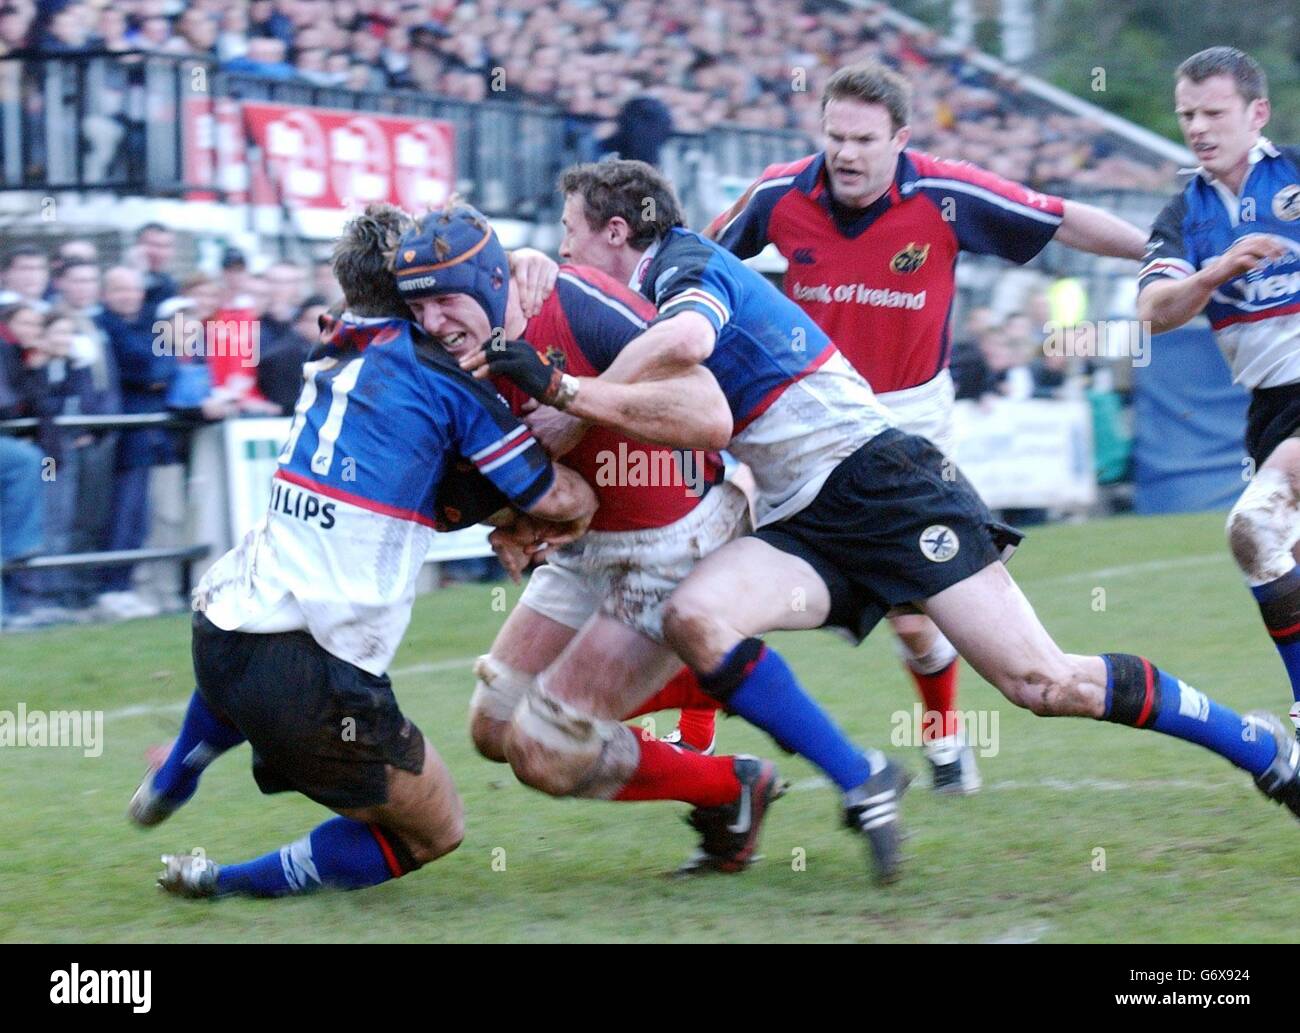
80, 335
757, 63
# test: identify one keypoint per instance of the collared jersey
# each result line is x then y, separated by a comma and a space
582, 326
1256, 317
797, 407
881, 281
383, 413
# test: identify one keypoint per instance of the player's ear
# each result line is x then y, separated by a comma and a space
617, 231
901, 136
1260, 112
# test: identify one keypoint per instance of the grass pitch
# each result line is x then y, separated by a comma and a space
1084, 831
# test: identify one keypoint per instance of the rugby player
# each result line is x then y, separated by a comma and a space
871, 233
1228, 246
855, 517
294, 628
584, 646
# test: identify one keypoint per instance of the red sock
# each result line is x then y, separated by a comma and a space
939, 693
670, 773
683, 691
697, 725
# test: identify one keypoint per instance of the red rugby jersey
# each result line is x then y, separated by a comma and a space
881, 281
581, 328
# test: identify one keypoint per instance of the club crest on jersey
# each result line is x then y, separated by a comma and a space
555, 357
1286, 203
408, 256
911, 258
939, 543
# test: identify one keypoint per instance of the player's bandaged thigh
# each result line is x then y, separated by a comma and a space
1263, 527
497, 688
562, 590
563, 752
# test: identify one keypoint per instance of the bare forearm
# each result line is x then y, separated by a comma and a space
1168, 305
1091, 229
687, 411
667, 349
568, 498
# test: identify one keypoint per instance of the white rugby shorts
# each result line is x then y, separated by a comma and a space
629, 575
925, 410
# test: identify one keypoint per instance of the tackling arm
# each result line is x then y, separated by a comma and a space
1091, 229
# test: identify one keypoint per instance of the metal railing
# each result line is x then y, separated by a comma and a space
116, 122
186, 555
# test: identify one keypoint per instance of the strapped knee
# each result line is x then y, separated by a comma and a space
497, 688
557, 749
1262, 528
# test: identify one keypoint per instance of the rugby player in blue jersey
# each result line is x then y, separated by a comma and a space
295, 627
1228, 245
854, 517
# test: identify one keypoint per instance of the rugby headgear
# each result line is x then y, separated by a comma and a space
455, 251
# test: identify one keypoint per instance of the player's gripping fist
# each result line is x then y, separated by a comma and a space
520, 363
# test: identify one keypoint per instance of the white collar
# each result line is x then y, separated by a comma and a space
638, 274
1263, 148
349, 317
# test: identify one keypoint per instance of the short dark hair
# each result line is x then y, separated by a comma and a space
22, 251
872, 83
152, 227
1244, 70
637, 193
363, 257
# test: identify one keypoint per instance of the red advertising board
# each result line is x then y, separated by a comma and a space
317, 157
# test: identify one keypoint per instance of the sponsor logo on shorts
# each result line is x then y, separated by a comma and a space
939, 543
1286, 203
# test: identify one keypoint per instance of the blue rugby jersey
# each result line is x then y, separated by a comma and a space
383, 415
798, 407
1256, 317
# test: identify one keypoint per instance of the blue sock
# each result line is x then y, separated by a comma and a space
341, 853
757, 684
1141, 695
202, 739
1279, 604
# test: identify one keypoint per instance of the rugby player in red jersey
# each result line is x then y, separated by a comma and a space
871, 232
584, 647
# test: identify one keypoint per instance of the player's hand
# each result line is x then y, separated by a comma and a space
557, 432
1246, 255
519, 363
510, 547
534, 277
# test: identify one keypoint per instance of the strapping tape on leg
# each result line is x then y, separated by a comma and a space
498, 688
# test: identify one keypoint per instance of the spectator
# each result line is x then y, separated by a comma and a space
644, 126
155, 251
22, 518
25, 276
129, 327
283, 350
55, 386
279, 374
15, 27
264, 57
323, 282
